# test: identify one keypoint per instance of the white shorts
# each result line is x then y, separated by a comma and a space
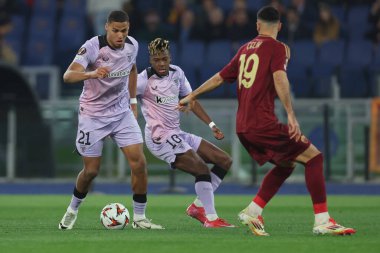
177, 142
92, 131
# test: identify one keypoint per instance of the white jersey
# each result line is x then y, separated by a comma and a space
107, 96
159, 96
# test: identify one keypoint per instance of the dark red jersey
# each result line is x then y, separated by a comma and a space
253, 67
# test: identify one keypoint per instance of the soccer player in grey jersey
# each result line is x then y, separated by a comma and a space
158, 89
108, 108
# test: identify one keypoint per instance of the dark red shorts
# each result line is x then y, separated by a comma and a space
273, 144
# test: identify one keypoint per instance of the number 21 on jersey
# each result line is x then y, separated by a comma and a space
247, 71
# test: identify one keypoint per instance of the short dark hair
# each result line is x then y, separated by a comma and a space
117, 16
268, 14
158, 45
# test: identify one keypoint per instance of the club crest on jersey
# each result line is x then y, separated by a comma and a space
176, 82
129, 58
165, 100
105, 58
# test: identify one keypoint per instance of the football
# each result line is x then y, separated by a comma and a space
114, 216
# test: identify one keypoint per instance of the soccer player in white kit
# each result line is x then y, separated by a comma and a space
108, 108
158, 89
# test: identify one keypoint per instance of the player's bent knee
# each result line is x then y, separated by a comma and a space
90, 174
138, 165
227, 162
317, 155
223, 160
139, 169
312, 151
287, 165
314, 154
308, 154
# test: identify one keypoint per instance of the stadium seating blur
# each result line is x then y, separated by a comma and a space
299, 78
354, 81
357, 17
303, 52
52, 32
331, 53
322, 80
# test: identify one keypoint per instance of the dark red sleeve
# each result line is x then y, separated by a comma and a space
230, 72
280, 57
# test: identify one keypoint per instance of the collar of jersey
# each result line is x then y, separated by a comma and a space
104, 37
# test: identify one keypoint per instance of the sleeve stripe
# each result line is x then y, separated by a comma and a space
287, 50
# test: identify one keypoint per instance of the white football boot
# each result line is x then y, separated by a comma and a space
145, 224
68, 219
255, 224
332, 228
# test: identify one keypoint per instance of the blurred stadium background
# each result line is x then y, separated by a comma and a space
334, 73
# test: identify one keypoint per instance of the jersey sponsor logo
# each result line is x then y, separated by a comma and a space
82, 51
165, 100
119, 74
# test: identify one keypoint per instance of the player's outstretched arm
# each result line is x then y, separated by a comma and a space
281, 84
76, 73
207, 86
199, 111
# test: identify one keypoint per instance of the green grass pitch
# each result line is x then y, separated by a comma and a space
29, 223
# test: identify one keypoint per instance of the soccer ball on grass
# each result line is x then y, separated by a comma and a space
114, 216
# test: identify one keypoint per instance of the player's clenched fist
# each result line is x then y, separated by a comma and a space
100, 72
218, 134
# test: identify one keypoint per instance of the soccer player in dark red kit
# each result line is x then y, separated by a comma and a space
260, 69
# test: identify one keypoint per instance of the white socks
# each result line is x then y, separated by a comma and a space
205, 193
211, 217
75, 203
137, 217
139, 210
254, 209
197, 202
215, 182
321, 218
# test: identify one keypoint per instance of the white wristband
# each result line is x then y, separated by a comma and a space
212, 124
133, 101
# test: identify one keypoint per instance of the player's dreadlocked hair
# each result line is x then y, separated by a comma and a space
158, 45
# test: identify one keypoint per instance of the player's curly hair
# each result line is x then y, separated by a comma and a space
158, 45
